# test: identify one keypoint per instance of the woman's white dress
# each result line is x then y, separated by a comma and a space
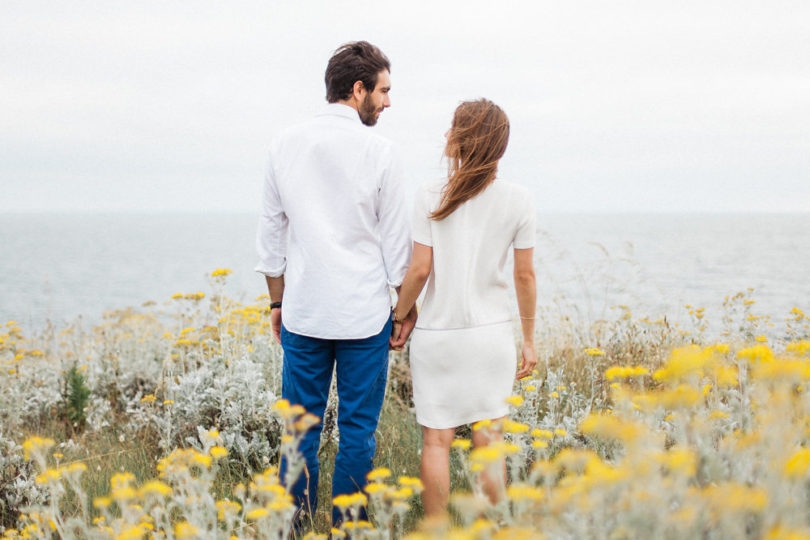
463, 358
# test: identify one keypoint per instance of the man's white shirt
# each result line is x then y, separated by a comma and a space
334, 223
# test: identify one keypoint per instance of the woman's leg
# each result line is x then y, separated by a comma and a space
435, 469
493, 478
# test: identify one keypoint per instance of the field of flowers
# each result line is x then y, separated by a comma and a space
164, 421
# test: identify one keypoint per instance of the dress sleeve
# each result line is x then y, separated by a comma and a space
421, 221
527, 224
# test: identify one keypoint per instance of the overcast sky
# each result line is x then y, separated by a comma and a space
615, 105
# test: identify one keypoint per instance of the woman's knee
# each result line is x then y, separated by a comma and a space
437, 438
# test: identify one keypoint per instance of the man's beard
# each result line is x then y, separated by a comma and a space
367, 111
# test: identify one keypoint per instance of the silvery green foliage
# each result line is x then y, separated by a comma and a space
26, 398
566, 410
235, 399
17, 486
98, 414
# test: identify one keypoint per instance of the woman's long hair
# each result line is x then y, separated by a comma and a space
476, 141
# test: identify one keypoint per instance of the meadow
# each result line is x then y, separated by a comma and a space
165, 422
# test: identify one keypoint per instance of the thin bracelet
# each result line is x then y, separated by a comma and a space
527, 318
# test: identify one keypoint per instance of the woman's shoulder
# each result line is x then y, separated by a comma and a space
512, 190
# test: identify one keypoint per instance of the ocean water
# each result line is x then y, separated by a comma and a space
59, 267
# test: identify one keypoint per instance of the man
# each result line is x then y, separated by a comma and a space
333, 238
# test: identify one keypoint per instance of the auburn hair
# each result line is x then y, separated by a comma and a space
476, 141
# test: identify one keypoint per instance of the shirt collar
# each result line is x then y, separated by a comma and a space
339, 109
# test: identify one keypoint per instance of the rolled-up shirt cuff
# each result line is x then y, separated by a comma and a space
397, 280
271, 271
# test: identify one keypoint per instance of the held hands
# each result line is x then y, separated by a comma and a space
529, 361
401, 330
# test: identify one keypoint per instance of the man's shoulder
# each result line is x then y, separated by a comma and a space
322, 129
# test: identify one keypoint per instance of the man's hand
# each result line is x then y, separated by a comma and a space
529, 361
402, 330
275, 323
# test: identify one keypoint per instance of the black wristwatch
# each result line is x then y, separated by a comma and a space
274, 305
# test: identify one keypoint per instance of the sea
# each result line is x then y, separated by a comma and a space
60, 269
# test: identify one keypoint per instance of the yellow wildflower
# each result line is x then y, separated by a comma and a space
462, 444
218, 452
380, 473
515, 400
184, 529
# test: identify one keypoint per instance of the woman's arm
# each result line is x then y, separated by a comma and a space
415, 278
526, 289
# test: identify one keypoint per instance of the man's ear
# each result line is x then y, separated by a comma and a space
359, 90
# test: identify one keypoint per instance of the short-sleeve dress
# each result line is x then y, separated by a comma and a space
462, 355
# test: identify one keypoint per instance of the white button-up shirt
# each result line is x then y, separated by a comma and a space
334, 223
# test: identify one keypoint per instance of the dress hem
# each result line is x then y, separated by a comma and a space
467, 419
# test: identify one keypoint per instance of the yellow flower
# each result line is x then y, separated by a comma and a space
345, 501
132, 533
257, 513
608, 426
221, 272
511, 426
226, 507
523, 492
799, 464
184, 529
50, 475
462, 444
680, 460
482, 424
155, 487
761, 339
218, 452
593, 351
411, 482
36, 445
378, 474
686, 362
515, 400
121, 480
542, 433
148, 398
560, 432
757, 353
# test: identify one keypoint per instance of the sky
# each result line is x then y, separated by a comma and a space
615, 106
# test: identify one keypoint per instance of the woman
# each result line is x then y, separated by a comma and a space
463, 349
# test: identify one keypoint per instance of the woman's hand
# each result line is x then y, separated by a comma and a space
529, 361
400, 330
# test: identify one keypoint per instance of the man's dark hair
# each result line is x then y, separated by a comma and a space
352, 62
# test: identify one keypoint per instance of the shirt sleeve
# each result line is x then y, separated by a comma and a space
271, 238
421, 221
394, 229
527, 224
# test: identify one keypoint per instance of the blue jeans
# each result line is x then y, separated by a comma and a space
362, 372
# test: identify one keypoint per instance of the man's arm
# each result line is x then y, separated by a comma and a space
271, 246
275, 287
394, 221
